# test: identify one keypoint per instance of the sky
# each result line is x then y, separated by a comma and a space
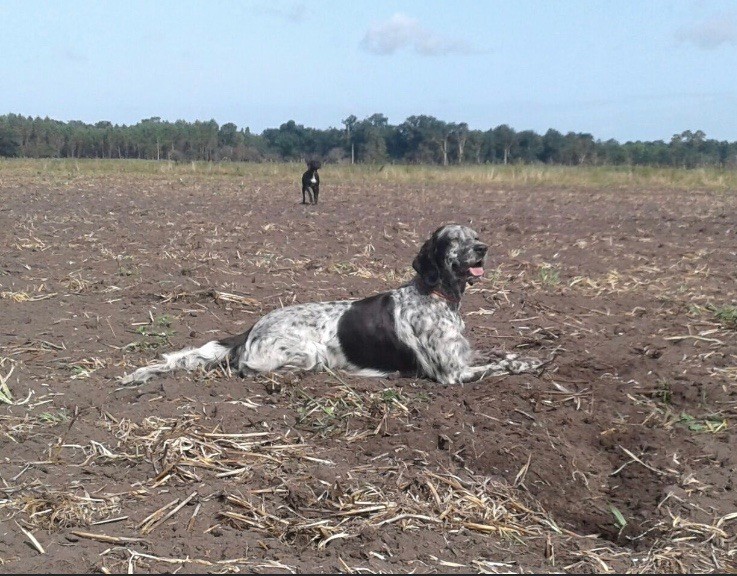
623, 69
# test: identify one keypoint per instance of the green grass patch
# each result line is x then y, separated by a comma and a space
549, 276
154, 334
726, 315
334, 412
590, 177
711, 423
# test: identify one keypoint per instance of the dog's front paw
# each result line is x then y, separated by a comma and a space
523, 365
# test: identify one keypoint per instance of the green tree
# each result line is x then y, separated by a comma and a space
228, 135
9, 145
529, 146
577, 149
552, 147
370, 138
459, 135
287, 141
474, 146
425, 139
612, 153
350, 128
506, 142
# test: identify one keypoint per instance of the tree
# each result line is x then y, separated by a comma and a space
530, 146
370, 138
426, 139
577, 148
420, 139
613, 153
288, 140
350, 124
552, 146
9, 145
228, 135
459, 134
506, 139
474, 145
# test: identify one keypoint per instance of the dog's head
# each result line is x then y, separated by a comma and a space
452, 257
314, 165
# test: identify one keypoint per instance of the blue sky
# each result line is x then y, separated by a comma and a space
623, 69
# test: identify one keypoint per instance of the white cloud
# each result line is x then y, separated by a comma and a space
400, 31
293, 12
711, 33
73, 55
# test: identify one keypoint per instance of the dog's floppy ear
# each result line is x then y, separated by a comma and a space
425, 263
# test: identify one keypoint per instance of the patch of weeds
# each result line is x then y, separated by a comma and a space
549, 276
727, 315
389, 395
350, 269
619, 520
80, 372
324, 414
495, 277
264, 260
153, 339
76, 283
126, 267
695, 310
711, 423
164, 321
48, 509
331, 414
393, 398
663, 392
85, 367
155, 335
53, 418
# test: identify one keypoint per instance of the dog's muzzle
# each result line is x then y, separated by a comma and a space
476, 270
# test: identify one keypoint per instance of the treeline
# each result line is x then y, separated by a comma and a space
419, 139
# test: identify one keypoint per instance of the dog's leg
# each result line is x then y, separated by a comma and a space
273, 353
510, 364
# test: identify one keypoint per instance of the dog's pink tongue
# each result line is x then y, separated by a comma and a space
476, 271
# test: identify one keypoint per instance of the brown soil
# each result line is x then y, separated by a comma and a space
620, 457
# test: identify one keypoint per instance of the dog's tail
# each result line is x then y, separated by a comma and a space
208, 355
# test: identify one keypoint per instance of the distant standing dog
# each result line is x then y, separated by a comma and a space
311, 182
415, 330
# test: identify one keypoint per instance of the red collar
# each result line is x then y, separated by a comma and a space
446, 297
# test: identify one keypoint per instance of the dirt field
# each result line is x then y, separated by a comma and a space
620, 457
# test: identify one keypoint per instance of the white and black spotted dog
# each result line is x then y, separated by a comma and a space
414, 330
311, 182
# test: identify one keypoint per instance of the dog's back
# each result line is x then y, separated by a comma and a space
309, 178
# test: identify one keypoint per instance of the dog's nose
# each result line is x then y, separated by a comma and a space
480, 249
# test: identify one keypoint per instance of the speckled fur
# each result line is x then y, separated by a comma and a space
420, 321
